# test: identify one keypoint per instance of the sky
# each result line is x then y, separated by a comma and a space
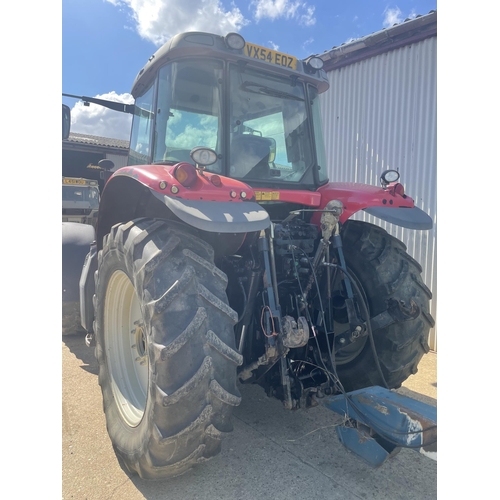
106, 42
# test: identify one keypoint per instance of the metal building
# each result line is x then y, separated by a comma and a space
380, 113
81, 154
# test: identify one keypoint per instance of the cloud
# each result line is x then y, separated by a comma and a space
287, 9
392, 16
307, 42
159, 20
308, 18
273, 45
101, 121
395, 16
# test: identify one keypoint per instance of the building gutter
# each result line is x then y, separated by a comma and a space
400, 35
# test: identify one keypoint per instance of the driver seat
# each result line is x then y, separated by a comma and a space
260, 147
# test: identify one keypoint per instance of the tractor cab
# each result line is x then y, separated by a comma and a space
257, 108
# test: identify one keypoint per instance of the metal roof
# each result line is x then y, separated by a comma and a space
95, 141
405, 33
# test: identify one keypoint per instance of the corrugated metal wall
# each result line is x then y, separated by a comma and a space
119, 160
380, 113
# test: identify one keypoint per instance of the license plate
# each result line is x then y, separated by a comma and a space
74, 181
267, 195
270, 56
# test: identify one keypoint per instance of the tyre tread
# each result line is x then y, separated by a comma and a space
187, 318
386, 271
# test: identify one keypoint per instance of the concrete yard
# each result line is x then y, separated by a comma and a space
272, 453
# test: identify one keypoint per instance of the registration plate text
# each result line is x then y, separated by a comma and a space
270, 56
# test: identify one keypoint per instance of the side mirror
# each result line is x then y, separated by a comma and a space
66, 121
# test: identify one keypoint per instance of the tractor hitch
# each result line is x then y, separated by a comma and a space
379, 422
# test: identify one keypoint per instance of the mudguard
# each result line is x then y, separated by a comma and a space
222, 207
219, 216
87, 289
388, 203
76, 241
412, 218
213, 203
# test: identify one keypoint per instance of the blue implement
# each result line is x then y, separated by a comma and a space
380, 422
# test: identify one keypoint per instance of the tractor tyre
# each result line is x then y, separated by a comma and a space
386, 273
165, 347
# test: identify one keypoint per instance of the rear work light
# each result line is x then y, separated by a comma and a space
203, 156
315, 62
186, 174
235, 41
389, 176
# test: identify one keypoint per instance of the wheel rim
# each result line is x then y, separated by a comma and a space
126, 348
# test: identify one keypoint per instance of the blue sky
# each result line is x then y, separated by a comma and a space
106, 42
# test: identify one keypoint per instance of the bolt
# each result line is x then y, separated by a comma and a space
342, 340
356, 332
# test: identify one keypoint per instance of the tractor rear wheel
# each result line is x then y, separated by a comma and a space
386, 273
165, 348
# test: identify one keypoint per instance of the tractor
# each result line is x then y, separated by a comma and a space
224, 255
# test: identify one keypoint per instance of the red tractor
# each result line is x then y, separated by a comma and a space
224, 255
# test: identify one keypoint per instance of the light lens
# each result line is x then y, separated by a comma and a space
185, 173
389, 176
235, 41
399, 189
203, 156
216, 180
315, 62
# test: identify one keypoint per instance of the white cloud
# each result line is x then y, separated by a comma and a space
288, 9
273, 45
395, 16
392, 16
159, 20
308, 18
307, 42
101, 121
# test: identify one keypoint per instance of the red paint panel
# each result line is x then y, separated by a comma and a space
202, 189
356, 197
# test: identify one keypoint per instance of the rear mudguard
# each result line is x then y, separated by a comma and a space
153, 191
385, 203
76, 241
87, 289
220, 214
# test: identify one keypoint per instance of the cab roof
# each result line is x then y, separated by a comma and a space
200, 44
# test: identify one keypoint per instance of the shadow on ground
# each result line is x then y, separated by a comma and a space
76, 344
